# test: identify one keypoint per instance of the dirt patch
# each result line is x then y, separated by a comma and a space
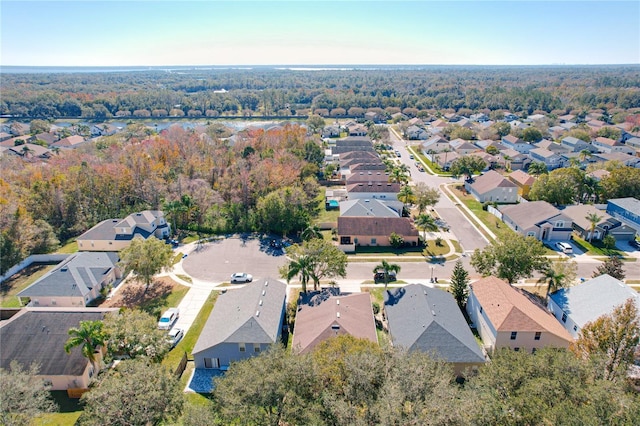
137, 295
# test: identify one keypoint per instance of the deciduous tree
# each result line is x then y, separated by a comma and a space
146, 258
425, 196
23, 395
133, 333
611, 266
467, 166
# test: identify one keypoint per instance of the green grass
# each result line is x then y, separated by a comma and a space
177, 258
457, 246
595, 248
14, 285
415, 149
189, 340
70, 247
324, 215
185, 278
433, 250
68, 411
157, 305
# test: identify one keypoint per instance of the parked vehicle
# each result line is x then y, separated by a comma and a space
241, 277
635, 244
398, 154
378, 277
175, 335
411, 156
168, 318
564, 247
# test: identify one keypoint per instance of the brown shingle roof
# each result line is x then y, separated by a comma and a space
323, 316
510, 310
376, 226
491, 180
374, 187
526, 215
522, 178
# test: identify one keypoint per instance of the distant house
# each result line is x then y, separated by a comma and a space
374, 116
433, 145
243, 323
322, 315
625, 159
428, 320
116, 234
38, 335
31, 151
547, 157
373, 190
444, 159
607, 225
537, 219
627, 210
463, 147
523, 180
356, 130
515, 160
575, 306
373, 231
331, 132
577, 145
479, 117
608, 146
48, 137
371, 208
76, 281
416, 133
506, 318
552, 146
367, 176
517, 144
69, 142
493, 187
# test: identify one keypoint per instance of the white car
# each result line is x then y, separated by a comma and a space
168, 318
564, 247
175, 335
241, 277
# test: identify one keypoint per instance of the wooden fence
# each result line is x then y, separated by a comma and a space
181, 366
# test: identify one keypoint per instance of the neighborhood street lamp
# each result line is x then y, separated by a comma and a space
432, 268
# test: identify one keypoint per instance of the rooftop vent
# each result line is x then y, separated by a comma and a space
257, 313
335, 327
337, 301
266, 283
260, 302
338, 314
264, 292
433, 312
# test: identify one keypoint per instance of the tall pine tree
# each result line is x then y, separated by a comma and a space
460, 284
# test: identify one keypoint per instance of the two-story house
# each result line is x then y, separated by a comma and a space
537, 219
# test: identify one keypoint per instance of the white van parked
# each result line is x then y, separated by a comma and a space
564, 247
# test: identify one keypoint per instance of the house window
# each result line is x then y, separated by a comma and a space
242, 347
575, 328
533, 351
564, 317
480, 309
256, 347
514, 334
531, 234
516, 349
373, 241
538, 334
53, 302
559, 224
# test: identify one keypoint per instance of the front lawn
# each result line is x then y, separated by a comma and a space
163, 293
595, 247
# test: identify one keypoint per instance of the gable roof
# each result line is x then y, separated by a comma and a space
250, 314
429, 320
74, 277
370, 208
629, 203
526, 215
108, 229
39, 334
591, 299
522, 178
509, 309
491, 180
389, 187
69, 141
578, 214
373, 226
368, 176
322, 315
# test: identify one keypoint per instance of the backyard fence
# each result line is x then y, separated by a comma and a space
34, 258
181, 366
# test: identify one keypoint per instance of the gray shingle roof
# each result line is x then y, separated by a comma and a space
631, 204
429, 320
371, 208
526, 215
250, 314
589, 300
75, 276
39, 334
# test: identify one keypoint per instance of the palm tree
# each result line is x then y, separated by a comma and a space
302, 266
584, 154
386, 269
558, 275
427, 223
398, 175
593, 219
310, 232
89, 336
405, 194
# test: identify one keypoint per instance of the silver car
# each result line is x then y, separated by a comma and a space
241, 277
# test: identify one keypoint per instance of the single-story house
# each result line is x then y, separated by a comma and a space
116, 234
506, 318
463, 147
445, 159
576, 306
30, 150
373, 231
69, 142
331, 132
243, 323
38, 335
373, 190
366, 176
492, 186
427, 319
322, 315
607, 225
625, 159
627, 210
537, 219
76, 281
515, 160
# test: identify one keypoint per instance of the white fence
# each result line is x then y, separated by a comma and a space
34, 258
494, 212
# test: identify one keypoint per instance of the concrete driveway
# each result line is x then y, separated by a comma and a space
215, 261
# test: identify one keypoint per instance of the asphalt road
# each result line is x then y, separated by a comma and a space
465, 232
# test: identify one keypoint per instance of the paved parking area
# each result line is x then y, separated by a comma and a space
215, 261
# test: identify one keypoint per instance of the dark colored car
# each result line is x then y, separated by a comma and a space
378, 277
635, 244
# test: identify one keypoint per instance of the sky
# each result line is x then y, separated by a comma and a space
297, 32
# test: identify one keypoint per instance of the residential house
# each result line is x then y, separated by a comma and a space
48, 137
556, 131
366, 176
627, 210
4, 136
374, 231
479, 117
445, 159
104, 129
116, 234
523, 180
38, 335
577, 145
625, 159
373, 190
429, 320
607, 225
331, 132
416, 133
552, 146
371, 207
76, 281
486, 143
326, 314
506, 318
509, 117
566, 117
463, 147
595, 125
515, 160
608, 146
356, 129
599, 174
69, 142
434, 145
575, 306
438, 126
243, 323
517, 144
633, 142
537, 219
493, 187
374, 117
31, 151
548, 158
361, 157
493, 161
